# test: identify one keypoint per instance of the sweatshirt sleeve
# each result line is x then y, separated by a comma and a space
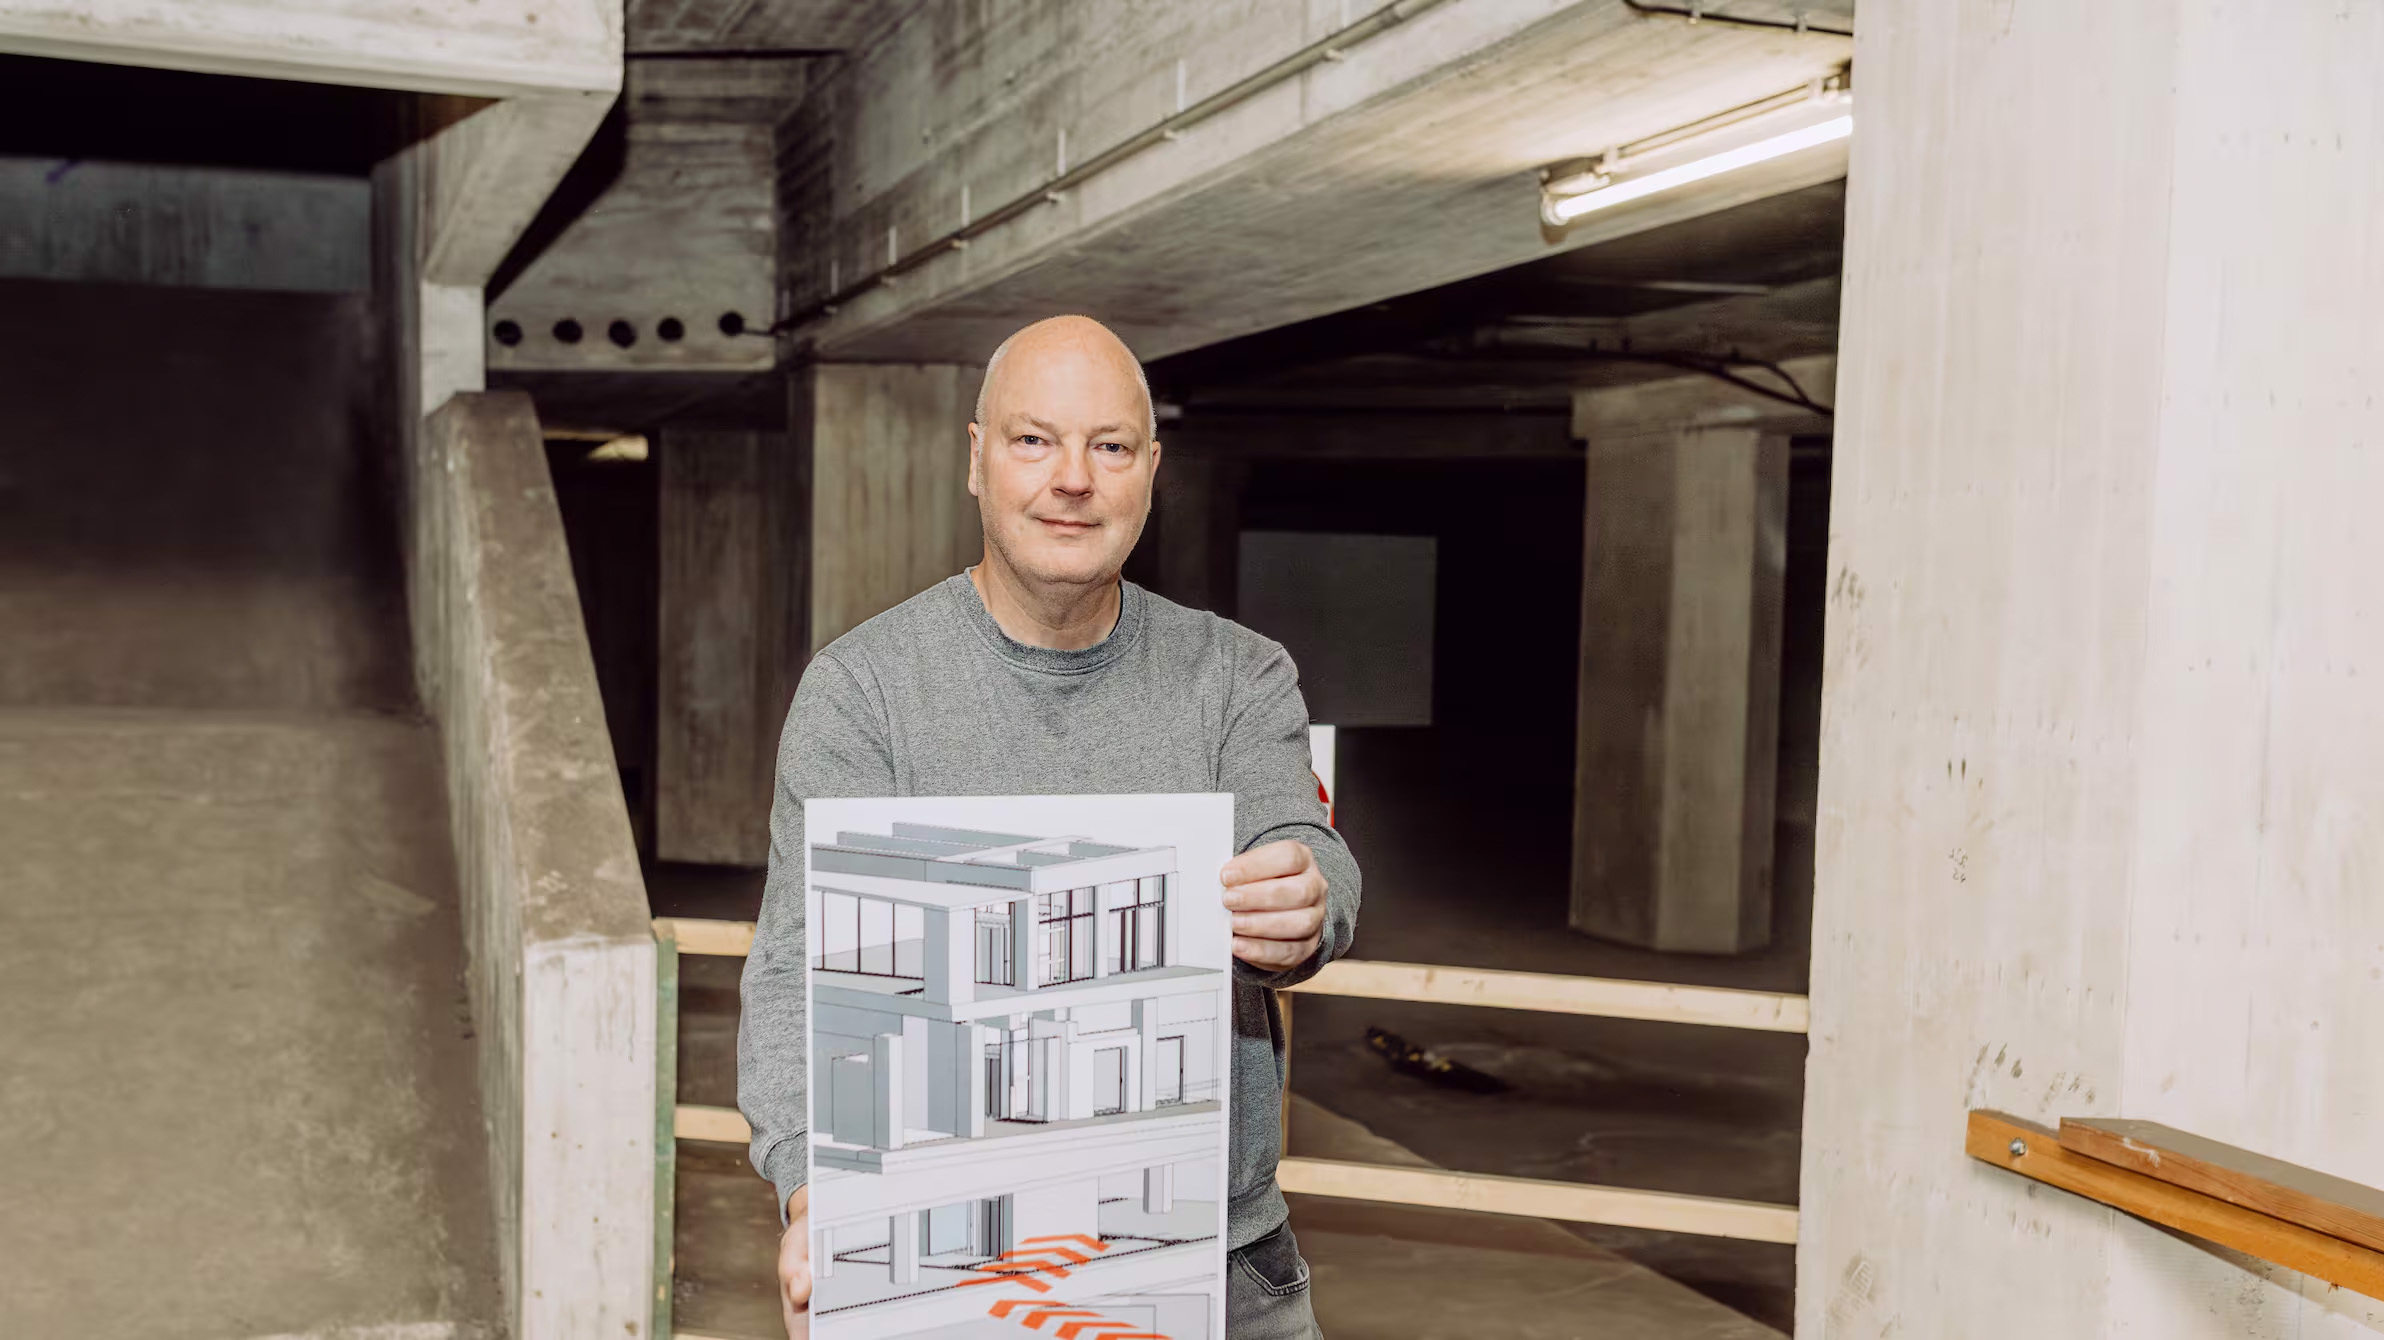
834, 744
1268, 767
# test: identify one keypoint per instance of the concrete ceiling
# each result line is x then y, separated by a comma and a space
669, 27
1355, 192
1756, 283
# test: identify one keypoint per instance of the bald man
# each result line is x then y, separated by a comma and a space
1041, 671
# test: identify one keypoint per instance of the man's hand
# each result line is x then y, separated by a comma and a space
794, 1265
1276, 894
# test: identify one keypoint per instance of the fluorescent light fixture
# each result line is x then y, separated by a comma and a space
1562, 210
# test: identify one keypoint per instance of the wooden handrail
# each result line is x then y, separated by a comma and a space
1424, 983
2040, 1155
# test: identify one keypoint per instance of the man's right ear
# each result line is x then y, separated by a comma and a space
976, 460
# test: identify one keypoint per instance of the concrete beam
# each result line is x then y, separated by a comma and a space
2098, 826
684, 236
1406, 163
488, 50
689, 26
1668, 405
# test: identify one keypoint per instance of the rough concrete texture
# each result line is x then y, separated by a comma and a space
478, 47
554, 910
237, 1061
236, 1071
188, 514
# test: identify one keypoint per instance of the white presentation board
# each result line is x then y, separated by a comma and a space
1021, 1020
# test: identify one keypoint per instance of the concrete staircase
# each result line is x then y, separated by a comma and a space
236, 1067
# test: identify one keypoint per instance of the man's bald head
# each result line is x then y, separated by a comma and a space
1073, 338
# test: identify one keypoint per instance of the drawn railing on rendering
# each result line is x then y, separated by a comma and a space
1601, 997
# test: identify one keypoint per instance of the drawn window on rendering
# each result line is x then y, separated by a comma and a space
993, 947
1109, 1081
1067, 921
869, 936
1167, 1072
1137, 910
1021, 1027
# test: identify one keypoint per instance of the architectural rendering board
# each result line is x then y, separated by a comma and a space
1020, 1016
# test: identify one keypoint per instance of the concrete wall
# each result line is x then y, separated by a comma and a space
211, 227
2101, 821
480, 47
559, 947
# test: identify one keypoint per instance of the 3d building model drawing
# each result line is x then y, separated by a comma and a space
1018, 1072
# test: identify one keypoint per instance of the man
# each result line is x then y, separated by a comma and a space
1040, 671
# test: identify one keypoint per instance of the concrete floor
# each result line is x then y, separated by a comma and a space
235, 1061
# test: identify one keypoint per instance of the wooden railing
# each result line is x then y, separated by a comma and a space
1578, 1202
2322, 1226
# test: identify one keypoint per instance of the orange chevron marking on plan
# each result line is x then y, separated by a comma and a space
1095, 1243
1076, 1328
1048, 1311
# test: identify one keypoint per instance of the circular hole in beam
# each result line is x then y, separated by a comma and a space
671, 329
732, 323
508, 333
621, 333
568, 331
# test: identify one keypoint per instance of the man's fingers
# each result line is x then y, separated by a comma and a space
1297, 924
1275, 895
1274, 955
1272, 861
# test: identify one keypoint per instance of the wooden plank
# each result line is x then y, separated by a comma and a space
2037, 1154
666, 1102
727, 939
1610, 998
720, 1125
1575, 1202
2287, 1191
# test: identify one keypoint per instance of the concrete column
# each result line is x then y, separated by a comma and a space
1158, 1189
974, 1039
950, 955
903, 1248
734, 528
2099, 797
888, 1119
1198, 510
1024, 944
1680, 673
891, 512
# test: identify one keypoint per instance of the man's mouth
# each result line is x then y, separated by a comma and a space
1065, 526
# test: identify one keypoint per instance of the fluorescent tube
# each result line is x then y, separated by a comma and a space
1569, 208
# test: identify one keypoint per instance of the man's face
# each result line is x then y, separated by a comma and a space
1062, 468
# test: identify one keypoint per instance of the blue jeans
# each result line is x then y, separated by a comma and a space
1266, 1291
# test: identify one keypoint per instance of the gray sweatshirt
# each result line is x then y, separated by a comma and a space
931, 698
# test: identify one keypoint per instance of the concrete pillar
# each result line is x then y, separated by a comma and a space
2098, 813
888, 1119
734, 528
1197, 508
1158, 1189
1024, 943
974, 1039
891, 512
903, 1247
1680, 672
950, 956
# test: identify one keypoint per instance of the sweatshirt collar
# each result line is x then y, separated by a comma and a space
963, 593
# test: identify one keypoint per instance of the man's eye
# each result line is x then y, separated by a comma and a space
1031, 440
1112, 447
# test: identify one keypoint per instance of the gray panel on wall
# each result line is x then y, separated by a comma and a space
200, 227
1355, 612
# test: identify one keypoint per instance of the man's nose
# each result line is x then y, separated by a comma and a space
1075, 475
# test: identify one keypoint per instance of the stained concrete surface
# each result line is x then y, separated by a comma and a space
236, 1070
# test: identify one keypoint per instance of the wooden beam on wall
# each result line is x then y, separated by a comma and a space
2330, 1205
2037, 1154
